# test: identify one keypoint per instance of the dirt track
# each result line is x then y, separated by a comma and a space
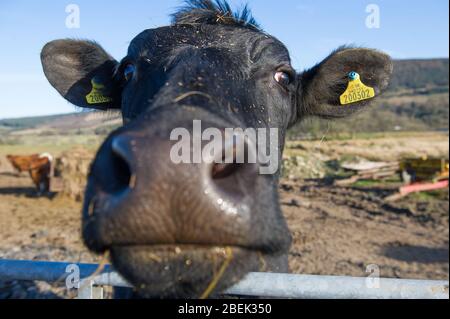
337, 231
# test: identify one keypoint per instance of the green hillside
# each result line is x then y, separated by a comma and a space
28, 122
66, 124
417, 100
417, 74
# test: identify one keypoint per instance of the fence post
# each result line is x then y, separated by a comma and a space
88, 290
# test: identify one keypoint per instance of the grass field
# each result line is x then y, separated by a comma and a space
376, 146
54, 144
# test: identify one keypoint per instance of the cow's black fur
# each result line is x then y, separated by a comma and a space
214, 12
211, 65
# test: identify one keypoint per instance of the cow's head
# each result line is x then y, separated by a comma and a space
183, 230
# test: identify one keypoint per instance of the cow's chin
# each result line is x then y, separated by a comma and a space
183, 271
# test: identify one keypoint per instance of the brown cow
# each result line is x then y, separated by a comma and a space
39, 167
22, 163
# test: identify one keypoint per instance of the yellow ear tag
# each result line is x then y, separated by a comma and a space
356, 90
96, 96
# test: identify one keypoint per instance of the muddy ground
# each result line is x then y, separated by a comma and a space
336, 231
340, 231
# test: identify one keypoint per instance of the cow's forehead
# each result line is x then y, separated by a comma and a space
165, 39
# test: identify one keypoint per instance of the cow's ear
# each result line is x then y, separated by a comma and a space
325, 90
83, 73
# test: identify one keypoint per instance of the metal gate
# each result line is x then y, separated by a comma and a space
254, 284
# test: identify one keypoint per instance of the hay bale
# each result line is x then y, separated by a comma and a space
71, 170
304, 166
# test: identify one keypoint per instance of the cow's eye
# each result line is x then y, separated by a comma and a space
283, 78
128, 71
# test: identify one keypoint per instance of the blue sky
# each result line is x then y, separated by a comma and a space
309, 28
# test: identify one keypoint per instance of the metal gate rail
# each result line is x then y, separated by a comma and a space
254, 284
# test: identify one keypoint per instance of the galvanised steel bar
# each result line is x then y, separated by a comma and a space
337, 287
254, 284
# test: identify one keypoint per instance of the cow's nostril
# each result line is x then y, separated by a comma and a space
232, 180
122, 173
224, 170
122, 177
221, 171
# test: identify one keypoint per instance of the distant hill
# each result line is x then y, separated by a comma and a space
83, 122
417, 100
416, 74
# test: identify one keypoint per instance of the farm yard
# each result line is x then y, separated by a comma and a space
317, 165
337, 230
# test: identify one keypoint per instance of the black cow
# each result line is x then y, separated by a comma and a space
169, 227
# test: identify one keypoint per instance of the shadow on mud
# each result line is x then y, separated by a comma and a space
13, 174
24, 290
28, 192
419, 254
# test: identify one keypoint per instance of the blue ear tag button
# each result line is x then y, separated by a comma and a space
353, 75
